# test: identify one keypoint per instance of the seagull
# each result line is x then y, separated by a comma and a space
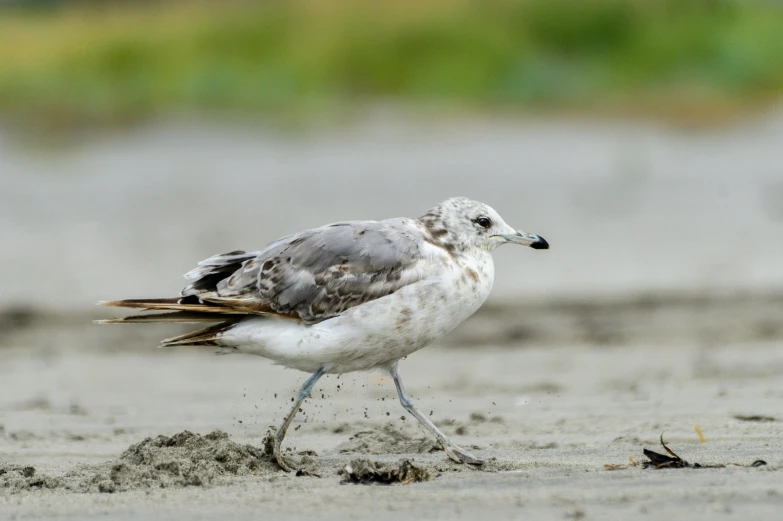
348, 296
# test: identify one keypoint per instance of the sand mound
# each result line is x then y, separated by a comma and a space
185, 459
385, 440
182, 460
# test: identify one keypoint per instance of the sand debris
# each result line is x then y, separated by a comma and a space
366, 472
182, 460
22, 478
185, 459
386, 440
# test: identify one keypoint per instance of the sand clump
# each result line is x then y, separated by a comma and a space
185, 459
25, 478
386, 439
365, 472
182, 460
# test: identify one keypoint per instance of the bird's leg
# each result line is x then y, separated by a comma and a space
304, 392
454, 452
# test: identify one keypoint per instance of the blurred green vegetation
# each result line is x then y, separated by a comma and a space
100, 62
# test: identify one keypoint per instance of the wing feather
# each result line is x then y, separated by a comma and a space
315, 275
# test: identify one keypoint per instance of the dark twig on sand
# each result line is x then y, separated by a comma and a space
674, 461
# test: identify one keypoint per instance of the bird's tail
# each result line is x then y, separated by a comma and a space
175, 310
196, 307
208, 336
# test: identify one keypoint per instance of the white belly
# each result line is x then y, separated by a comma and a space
377, 333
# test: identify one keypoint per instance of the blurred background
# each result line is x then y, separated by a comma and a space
642, 138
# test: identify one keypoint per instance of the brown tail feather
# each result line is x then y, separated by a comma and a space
207, 336
171, 304
191, 317
206, 303
134, 302
176, 311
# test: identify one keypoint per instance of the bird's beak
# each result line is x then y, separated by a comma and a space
526, 239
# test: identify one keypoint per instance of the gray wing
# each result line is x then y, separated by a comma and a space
313, 275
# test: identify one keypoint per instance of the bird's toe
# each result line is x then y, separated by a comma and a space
284, 463
460, 455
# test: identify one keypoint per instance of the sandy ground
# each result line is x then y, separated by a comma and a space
550, 417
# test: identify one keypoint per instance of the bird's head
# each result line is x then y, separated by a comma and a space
462, 223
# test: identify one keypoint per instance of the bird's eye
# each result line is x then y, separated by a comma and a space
484, 222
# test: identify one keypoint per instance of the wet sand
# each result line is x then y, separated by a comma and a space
548, 417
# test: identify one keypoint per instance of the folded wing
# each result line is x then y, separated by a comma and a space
313, 275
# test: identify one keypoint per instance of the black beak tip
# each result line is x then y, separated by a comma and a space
540, 244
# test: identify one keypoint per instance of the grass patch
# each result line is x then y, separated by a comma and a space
297, 58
